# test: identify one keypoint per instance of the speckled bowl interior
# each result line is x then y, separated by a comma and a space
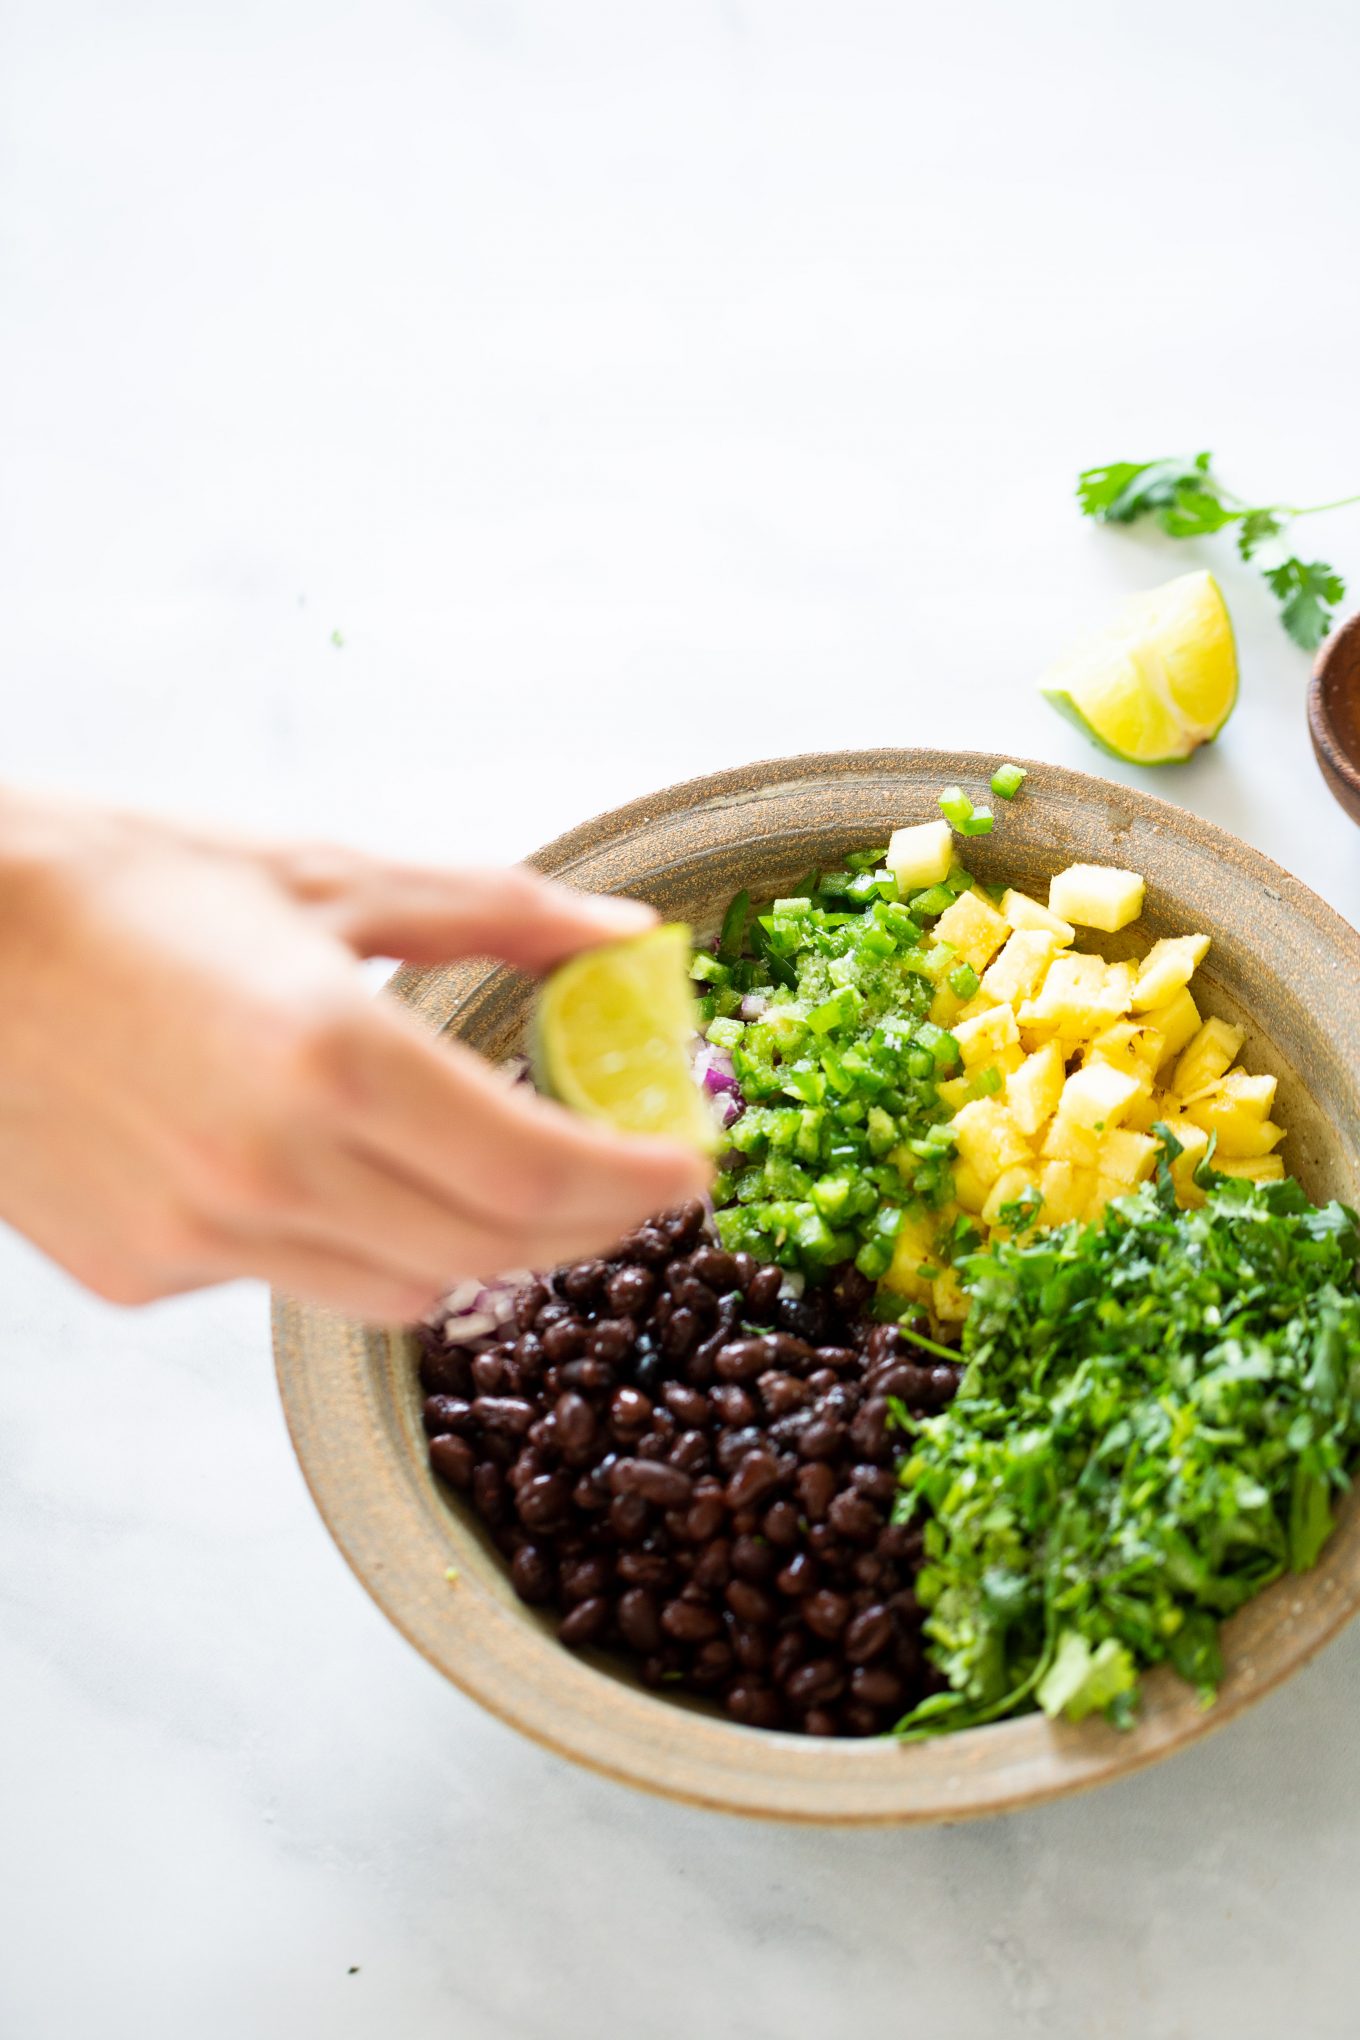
1282, 964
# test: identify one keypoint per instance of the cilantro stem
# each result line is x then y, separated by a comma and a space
1315, 509
950, 1353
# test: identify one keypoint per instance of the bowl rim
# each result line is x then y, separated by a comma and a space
472, 1638
1339, 650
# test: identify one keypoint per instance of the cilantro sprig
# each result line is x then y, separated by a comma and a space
1156, 1419
1189, 501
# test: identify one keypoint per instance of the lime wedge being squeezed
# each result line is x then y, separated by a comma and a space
612, 1035
1158, 682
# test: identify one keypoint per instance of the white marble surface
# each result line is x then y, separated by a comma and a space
636, 389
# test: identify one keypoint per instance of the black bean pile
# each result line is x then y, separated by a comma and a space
694, 1468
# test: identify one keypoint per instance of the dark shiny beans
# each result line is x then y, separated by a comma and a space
667, 1486
453, 1459
780, 1525
532, 1573
630, 1412
713, 1500
868, 1635
689, 1622
744, 1359
508, 1416
762, 1293
690, 1405
564, 1339
756, 1477
575, 1421
585, 1623
446, 1413
716, 1268
640, 1619
610, 1340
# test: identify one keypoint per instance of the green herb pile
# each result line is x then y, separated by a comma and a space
1155, 1421
843, 1129
1188, 501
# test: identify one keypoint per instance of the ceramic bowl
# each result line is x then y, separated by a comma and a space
1282, 964
1334, 714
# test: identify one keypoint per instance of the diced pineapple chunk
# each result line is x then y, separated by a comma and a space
973, 929
1097, 1096
1236, 1111
1167, 968
1096, 896
920, 855
1209, 1055
1178, 1021
1127, 1157
913, 1249
1023, 912
955, 1091
969, 1189
1033, 1090
945, 1007
948, 1302
1143, 1113
988, 1138
1017, 970
1065, 1141
1066, 1191
1261, 1169
1009, 1186
1128, 1047
1069, 997
981, 1039
1194, 1144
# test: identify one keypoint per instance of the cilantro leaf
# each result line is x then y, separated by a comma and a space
1308, 591
1188, 501
1130, 489
1156, 1419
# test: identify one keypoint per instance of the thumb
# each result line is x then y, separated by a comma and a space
424, 915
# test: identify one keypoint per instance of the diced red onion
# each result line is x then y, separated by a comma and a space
730, 1107
714, 1068
753, 1005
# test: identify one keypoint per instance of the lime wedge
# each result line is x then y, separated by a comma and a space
1157, 683
612, 1033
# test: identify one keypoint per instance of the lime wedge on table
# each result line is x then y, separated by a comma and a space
1160, 681
612, 1034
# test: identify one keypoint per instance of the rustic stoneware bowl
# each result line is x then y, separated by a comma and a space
1282, 963
1334, 714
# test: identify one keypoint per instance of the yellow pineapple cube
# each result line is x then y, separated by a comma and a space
982, 1039
948, 1305
1178, 1021
1258, 1169
1015, 973
973, 929
1097, 1096
945, 1007
1210, 1054
1023, 912
1010, 1185
956, 1091
913, 1249
988, 1138
1069, 998
1128, 1047
1064, 1141
921, 855
1194, 1143
1033, 1090
969, 1189
1242, 1129
1143, 1113
1167, 969
1126, 1157
1096, 896
1066, 1191
980, 1002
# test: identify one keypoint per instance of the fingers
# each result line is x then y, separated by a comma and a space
424, 915
436, 1113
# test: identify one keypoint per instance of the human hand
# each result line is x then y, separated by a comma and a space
196, 1084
